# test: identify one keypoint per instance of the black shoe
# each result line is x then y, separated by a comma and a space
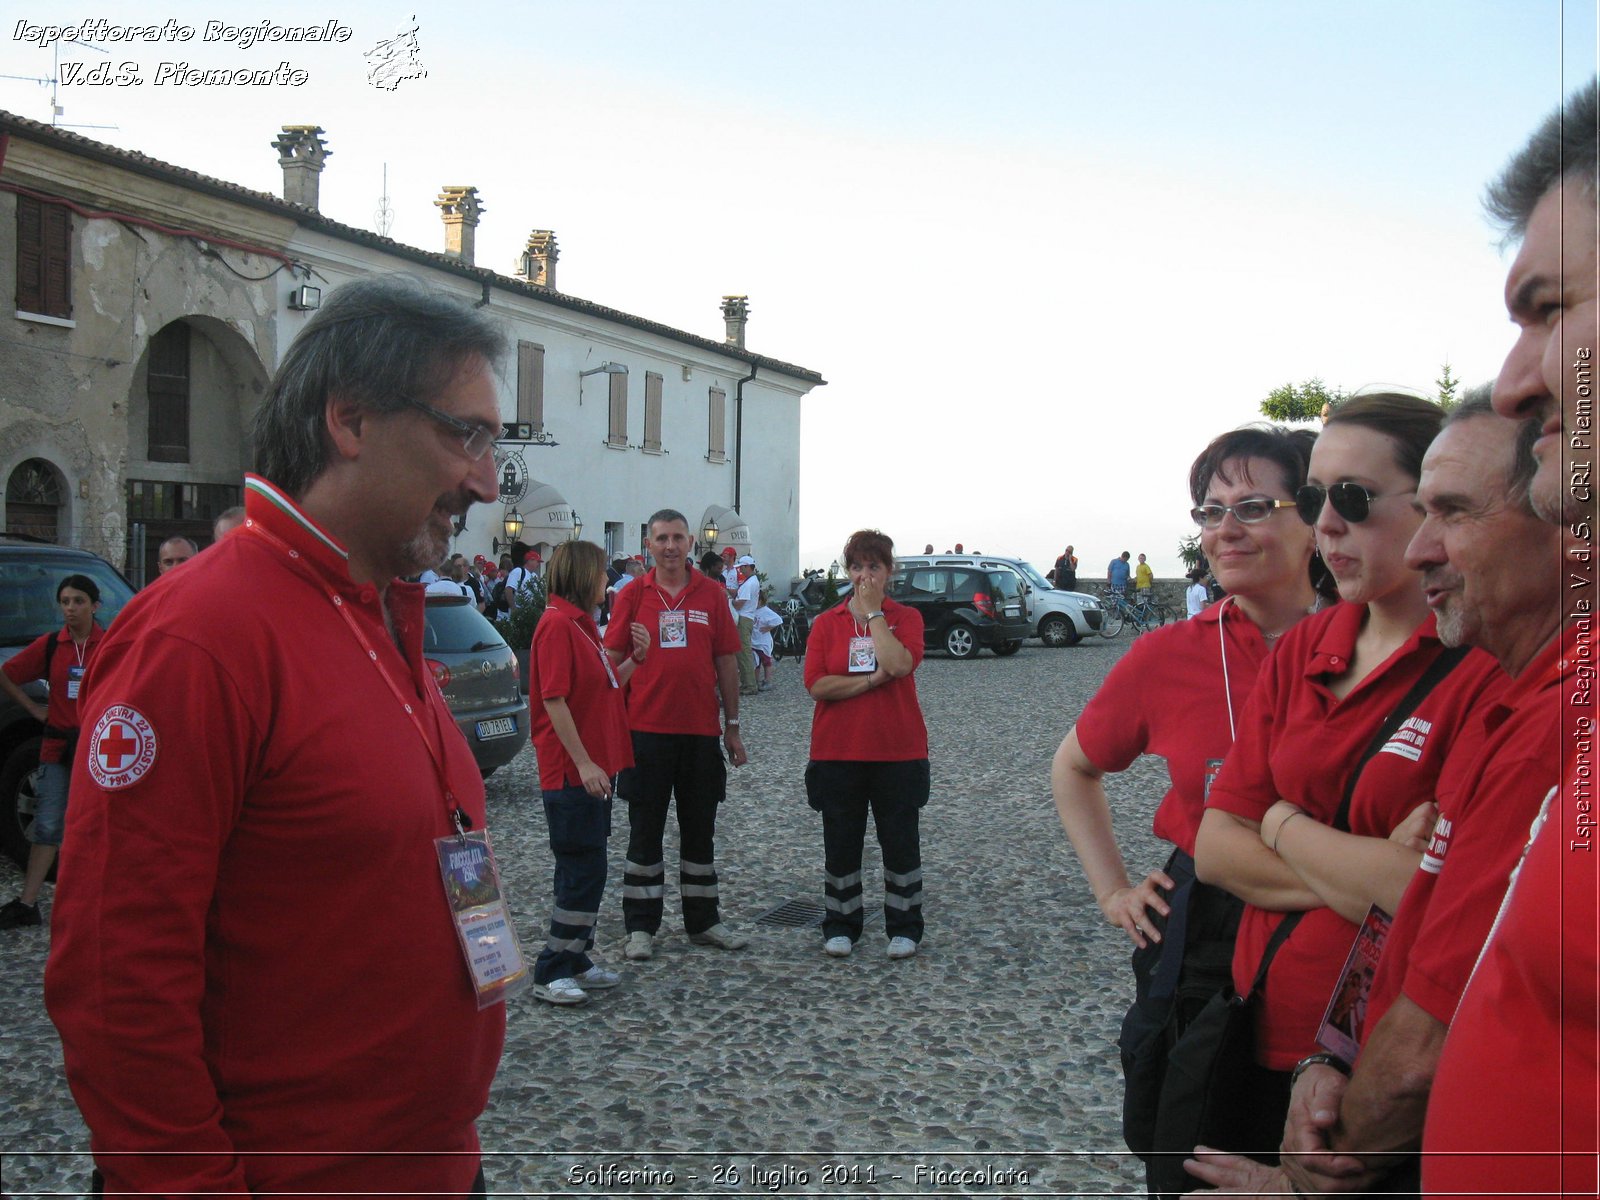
17, 914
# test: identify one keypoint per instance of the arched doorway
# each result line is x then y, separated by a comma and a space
34, 501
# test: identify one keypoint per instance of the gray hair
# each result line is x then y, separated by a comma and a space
382, 342
666, 514
1564, 147
1475, 405
178, 537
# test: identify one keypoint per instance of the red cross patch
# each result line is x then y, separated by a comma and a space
122, 748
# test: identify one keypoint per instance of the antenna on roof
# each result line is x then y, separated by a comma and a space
383, 218
78, 73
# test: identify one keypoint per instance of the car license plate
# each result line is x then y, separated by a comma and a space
499, 727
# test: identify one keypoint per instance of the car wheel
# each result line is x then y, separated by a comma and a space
1058, 631
17, 798
1111, 622
1006, 649
960, 641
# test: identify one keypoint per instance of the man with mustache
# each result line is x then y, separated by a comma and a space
1526, 1025
1491, 572
260, 981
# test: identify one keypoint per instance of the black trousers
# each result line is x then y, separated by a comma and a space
688, 768
894, 793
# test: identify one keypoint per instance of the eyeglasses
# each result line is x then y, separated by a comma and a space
476, 439
1246, 512
1350, 500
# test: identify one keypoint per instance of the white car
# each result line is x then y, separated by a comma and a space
1055, 617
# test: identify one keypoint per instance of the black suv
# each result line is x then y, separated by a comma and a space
30, 573
964, 608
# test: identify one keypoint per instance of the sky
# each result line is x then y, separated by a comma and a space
1041, 251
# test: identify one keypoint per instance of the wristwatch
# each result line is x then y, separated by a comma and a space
731, 723
1324, 1060
877, 612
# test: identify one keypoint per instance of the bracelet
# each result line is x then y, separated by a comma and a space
732, 723
1299, 812
1325, 1060
877, 612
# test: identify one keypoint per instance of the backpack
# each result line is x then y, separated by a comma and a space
497, 597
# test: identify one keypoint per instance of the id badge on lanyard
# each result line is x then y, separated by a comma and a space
483, 924
74, 682
674, 629
863, 656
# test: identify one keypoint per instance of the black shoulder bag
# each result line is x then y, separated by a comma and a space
1212, 1090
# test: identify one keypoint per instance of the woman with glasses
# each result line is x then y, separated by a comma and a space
581, 739
1313, 812
1178, 693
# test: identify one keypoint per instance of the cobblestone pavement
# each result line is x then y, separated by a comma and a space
775, 1069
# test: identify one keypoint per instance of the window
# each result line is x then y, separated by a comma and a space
652, 412
44, 258
530, 385
617, 434
167, 387
717, 426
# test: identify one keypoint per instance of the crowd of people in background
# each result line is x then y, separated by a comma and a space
1378, 746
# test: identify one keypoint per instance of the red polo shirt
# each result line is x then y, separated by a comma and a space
1297, 741
61, 710
1514, 1104
1484, 816
883, 724
675, 689
1171, 695
569, 663
251, 945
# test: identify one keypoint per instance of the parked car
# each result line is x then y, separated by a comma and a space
30, 573
477, 672
964, 607
1055, 616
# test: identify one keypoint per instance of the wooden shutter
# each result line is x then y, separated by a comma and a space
617, 433
44, 258
717, 425
652, 410
530, 385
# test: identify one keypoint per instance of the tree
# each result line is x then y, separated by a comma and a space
1302, 403
1447, 384
1189, 550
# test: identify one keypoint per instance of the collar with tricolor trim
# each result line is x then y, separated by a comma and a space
267, 505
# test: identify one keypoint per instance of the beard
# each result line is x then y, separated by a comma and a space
427, 548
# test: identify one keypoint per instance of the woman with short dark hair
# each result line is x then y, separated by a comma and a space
869, 748
580, 736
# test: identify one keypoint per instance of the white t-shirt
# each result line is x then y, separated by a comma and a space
749, 598
1197, 597
766, 622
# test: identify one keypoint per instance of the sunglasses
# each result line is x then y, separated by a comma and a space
1246, 512
476, 439
1350, 500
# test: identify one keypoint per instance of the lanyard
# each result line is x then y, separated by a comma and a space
458, 819
605, 658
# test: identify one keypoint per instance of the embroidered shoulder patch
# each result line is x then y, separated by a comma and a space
122, 748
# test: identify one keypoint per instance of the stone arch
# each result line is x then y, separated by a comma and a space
37, 499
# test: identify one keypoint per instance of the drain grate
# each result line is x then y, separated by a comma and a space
793, 914
800, 914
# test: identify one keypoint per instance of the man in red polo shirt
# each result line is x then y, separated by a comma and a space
1491, 572
677, 737
260, 975
1527, 1025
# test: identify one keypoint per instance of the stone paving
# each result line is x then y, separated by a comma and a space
986, 1064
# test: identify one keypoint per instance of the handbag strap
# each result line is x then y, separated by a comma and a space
1437, 670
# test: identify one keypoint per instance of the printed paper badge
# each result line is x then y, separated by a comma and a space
122, 748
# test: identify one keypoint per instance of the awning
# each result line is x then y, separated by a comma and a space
732, 530
546, 515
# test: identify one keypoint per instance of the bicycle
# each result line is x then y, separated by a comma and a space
1118, 611
790, 637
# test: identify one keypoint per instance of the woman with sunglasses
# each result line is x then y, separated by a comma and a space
1305, 737
1242, 485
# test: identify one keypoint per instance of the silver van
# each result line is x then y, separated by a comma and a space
1055, 617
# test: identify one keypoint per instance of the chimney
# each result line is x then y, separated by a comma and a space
301, 153
461, 209
736, 312
539, 259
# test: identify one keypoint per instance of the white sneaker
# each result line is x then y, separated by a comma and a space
902, 947
597, 979
838, 947
641, 946
720, 936
561, 991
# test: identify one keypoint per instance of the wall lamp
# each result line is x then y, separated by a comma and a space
513, 530
605, 368
305, 298
709, 534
